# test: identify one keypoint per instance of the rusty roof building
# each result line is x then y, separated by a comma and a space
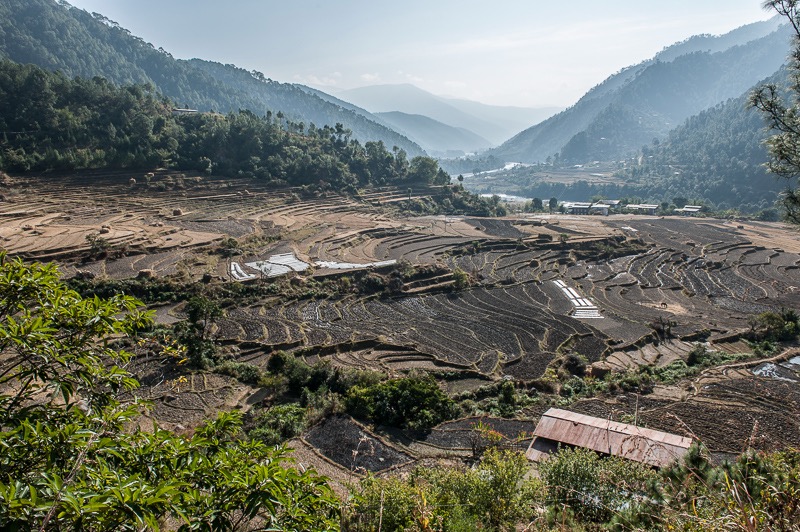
565, 428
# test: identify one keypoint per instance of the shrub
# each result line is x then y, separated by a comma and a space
415, 403
278, 424
493, 495
593, 488
243, 372
758, 491
460, 279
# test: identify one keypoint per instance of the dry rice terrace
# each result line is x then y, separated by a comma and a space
623, 291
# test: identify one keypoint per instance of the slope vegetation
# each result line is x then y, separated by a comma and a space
59, 37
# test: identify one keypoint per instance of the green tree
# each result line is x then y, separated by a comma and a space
594, 488
73, 457
493, 495
415, 402
782, 113
553, 204
194, 333
423, 169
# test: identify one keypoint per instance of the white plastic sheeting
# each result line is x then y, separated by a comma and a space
277, 265
352, 265
584, 307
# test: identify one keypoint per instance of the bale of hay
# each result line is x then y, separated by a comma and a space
105, 230
177, 212
146, 274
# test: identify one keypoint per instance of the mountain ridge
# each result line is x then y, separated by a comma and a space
495, 123
646, 100
437, 138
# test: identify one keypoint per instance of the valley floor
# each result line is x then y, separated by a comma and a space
622, 291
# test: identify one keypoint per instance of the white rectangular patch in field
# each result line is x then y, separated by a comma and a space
280, 264
238, 273
583, 306
352, 265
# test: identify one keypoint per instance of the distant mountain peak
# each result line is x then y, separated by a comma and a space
494, 123
647, 100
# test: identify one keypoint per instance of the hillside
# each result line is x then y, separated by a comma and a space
717, 155
57, 36
495, 123
720, 43
52, 122
646, 101
436, 138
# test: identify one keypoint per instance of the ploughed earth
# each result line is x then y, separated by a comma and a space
621, 290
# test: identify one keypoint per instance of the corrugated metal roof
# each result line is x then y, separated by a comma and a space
648, 446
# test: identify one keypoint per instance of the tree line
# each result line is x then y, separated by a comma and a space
50, 122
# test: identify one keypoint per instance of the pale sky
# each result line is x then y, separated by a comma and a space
505, 52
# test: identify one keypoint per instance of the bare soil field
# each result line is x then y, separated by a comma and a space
656, 286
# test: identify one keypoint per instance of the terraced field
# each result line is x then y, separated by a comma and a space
623, 291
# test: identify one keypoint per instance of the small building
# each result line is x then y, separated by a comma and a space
610, 202
564, 428
177, 111
644, 208
576, 207
688, 210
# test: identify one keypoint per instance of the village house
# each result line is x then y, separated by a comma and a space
562, 428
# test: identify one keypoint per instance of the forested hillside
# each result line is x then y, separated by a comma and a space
57, 36
50, 122
715, 157
646, 101
718, 154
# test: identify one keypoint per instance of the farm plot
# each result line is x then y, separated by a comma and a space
728, 416
350, 445
465, 434
659, 285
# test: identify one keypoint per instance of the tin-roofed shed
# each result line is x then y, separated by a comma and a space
648, 446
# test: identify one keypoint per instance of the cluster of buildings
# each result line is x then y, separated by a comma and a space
604, 207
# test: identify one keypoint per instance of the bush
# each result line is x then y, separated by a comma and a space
460, 279
775, 326
758, 491
415, 403
594, 488
493, 495
243, 372
278, 424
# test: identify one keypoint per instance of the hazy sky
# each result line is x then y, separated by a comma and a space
504, 52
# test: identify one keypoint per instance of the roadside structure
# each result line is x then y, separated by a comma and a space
576, 207
564, 428
643, 208
687, 210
